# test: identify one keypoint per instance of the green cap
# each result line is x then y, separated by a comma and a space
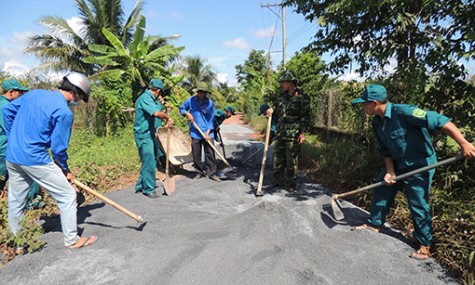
202, 86
263, 109
372, 92
230, 109
156, 83
13, 84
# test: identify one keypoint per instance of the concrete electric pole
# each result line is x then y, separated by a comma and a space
282, 17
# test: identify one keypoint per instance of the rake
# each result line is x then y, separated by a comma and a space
337, 207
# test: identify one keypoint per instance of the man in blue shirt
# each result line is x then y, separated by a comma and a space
404, 143
200, 109
148, 117
37, 124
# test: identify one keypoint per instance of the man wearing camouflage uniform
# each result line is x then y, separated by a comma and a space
292, 113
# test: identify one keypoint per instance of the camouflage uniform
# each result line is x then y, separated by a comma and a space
292, 114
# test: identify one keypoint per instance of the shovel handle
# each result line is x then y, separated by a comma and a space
400, 177
108, 201
264, 157
211, 145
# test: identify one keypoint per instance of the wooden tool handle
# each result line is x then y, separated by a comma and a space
108, 201
212, 146
264, 157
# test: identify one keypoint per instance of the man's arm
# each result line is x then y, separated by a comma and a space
468, 150
9, 112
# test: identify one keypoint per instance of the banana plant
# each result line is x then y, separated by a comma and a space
138, 62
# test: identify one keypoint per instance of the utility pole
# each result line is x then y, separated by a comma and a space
282, 17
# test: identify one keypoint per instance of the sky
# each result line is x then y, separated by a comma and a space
223, 32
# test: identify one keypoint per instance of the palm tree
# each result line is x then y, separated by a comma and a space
194, 71
64, 48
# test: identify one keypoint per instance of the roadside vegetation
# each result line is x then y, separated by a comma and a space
417, 49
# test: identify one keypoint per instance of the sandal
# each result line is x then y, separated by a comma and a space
366, 227
422, 253
83, 242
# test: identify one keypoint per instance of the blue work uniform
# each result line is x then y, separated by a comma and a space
403, 134
35, 187
149, 148
203, 114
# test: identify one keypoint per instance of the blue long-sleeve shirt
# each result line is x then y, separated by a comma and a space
35, 122
203, 114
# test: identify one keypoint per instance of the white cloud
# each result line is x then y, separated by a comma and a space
264, 33
222, 77
238, 43
15, 67
351, 76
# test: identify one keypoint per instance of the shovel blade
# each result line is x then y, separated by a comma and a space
336, 208
169, 186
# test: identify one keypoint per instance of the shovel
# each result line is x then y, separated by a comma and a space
336, 206
264, 157
168, 183
108, 201
211, 145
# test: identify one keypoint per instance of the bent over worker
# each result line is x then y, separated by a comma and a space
404, 143
37, 123
12, 89
219, 117
148, 116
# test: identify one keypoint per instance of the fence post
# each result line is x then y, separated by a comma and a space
330, 108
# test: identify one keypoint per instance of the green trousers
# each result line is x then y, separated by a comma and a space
285, 160
417, 191
151, 155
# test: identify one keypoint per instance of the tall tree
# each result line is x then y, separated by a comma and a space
194, 70
255, 67
64, 48
424, 38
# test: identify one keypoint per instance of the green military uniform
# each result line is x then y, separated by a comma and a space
404, 136
292, 115
145, 125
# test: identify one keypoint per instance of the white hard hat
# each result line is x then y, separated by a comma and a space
80, 81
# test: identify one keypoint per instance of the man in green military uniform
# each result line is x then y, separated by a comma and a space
148, 116
291, 112
12, 89
404, 143
219, 117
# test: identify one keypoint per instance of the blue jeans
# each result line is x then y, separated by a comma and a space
52, 179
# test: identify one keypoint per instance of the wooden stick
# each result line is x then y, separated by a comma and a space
264, 157
109, 201
212, 146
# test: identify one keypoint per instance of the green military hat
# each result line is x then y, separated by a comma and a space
287, 75
372, 92
13, 84
156, 83
230, 109
202, 86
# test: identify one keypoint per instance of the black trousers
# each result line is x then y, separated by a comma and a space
210, 159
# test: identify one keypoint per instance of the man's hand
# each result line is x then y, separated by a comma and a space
468, 150
69, 175
269, 112
190, 117
388, 178
169, 122
301, 138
